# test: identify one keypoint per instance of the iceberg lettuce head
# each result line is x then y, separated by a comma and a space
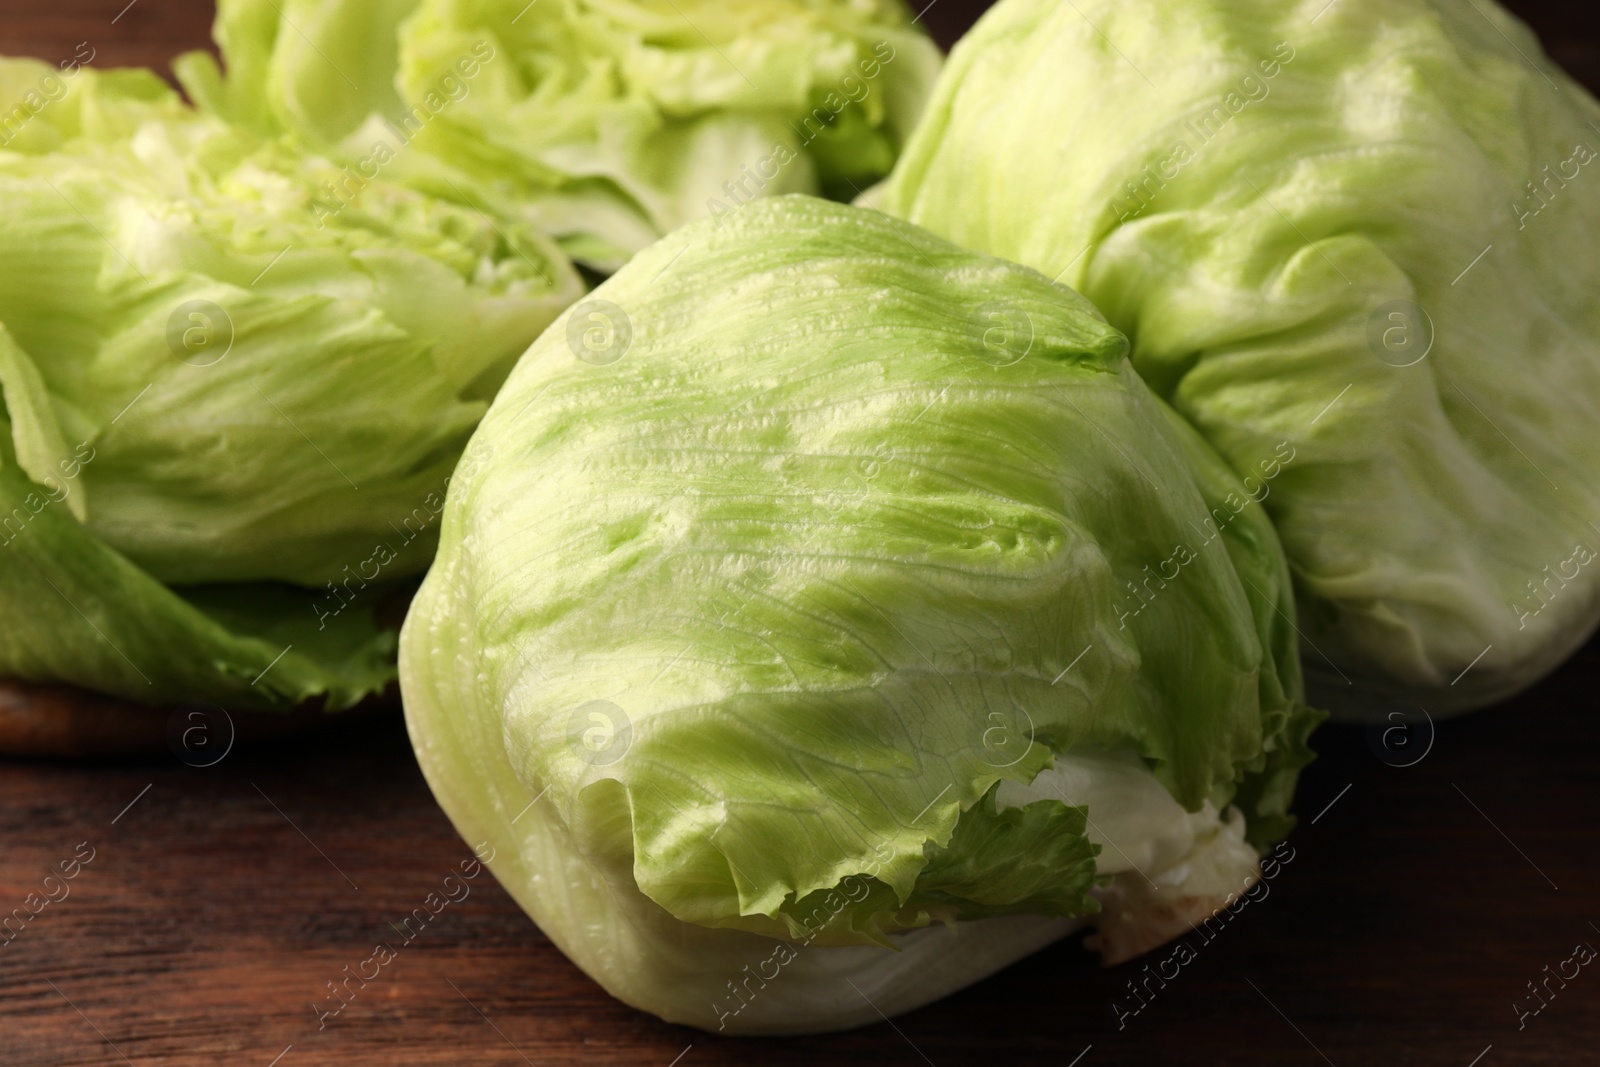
231, 404
817, 589
1363, 228
607, 124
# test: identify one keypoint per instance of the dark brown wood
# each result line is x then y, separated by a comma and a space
218, 902
60, 720
1415, 909
145, 33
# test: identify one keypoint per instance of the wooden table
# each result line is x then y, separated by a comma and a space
1419, 902
220, 900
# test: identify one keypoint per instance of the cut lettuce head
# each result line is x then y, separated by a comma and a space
607, 124
1359, 232
214, 376
818, 589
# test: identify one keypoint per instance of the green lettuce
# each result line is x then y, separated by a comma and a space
605, 124
231, 404
818, 589
1351, 243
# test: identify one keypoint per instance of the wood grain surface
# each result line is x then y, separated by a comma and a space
218, 901
1419, 903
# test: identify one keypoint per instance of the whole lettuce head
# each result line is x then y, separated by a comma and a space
607, 123
213, 377
817, 589
1363, 228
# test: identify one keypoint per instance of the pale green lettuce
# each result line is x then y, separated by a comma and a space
776, 574
1353, 244
213, 375
606, 124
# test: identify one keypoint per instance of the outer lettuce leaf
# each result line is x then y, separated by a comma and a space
607, 124
1247, 189
1028, 859
36, 433
1235, 515
227, 373
819, 549
57, 104
78, 611
1031, 860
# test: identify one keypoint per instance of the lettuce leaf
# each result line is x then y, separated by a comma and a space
77, 610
